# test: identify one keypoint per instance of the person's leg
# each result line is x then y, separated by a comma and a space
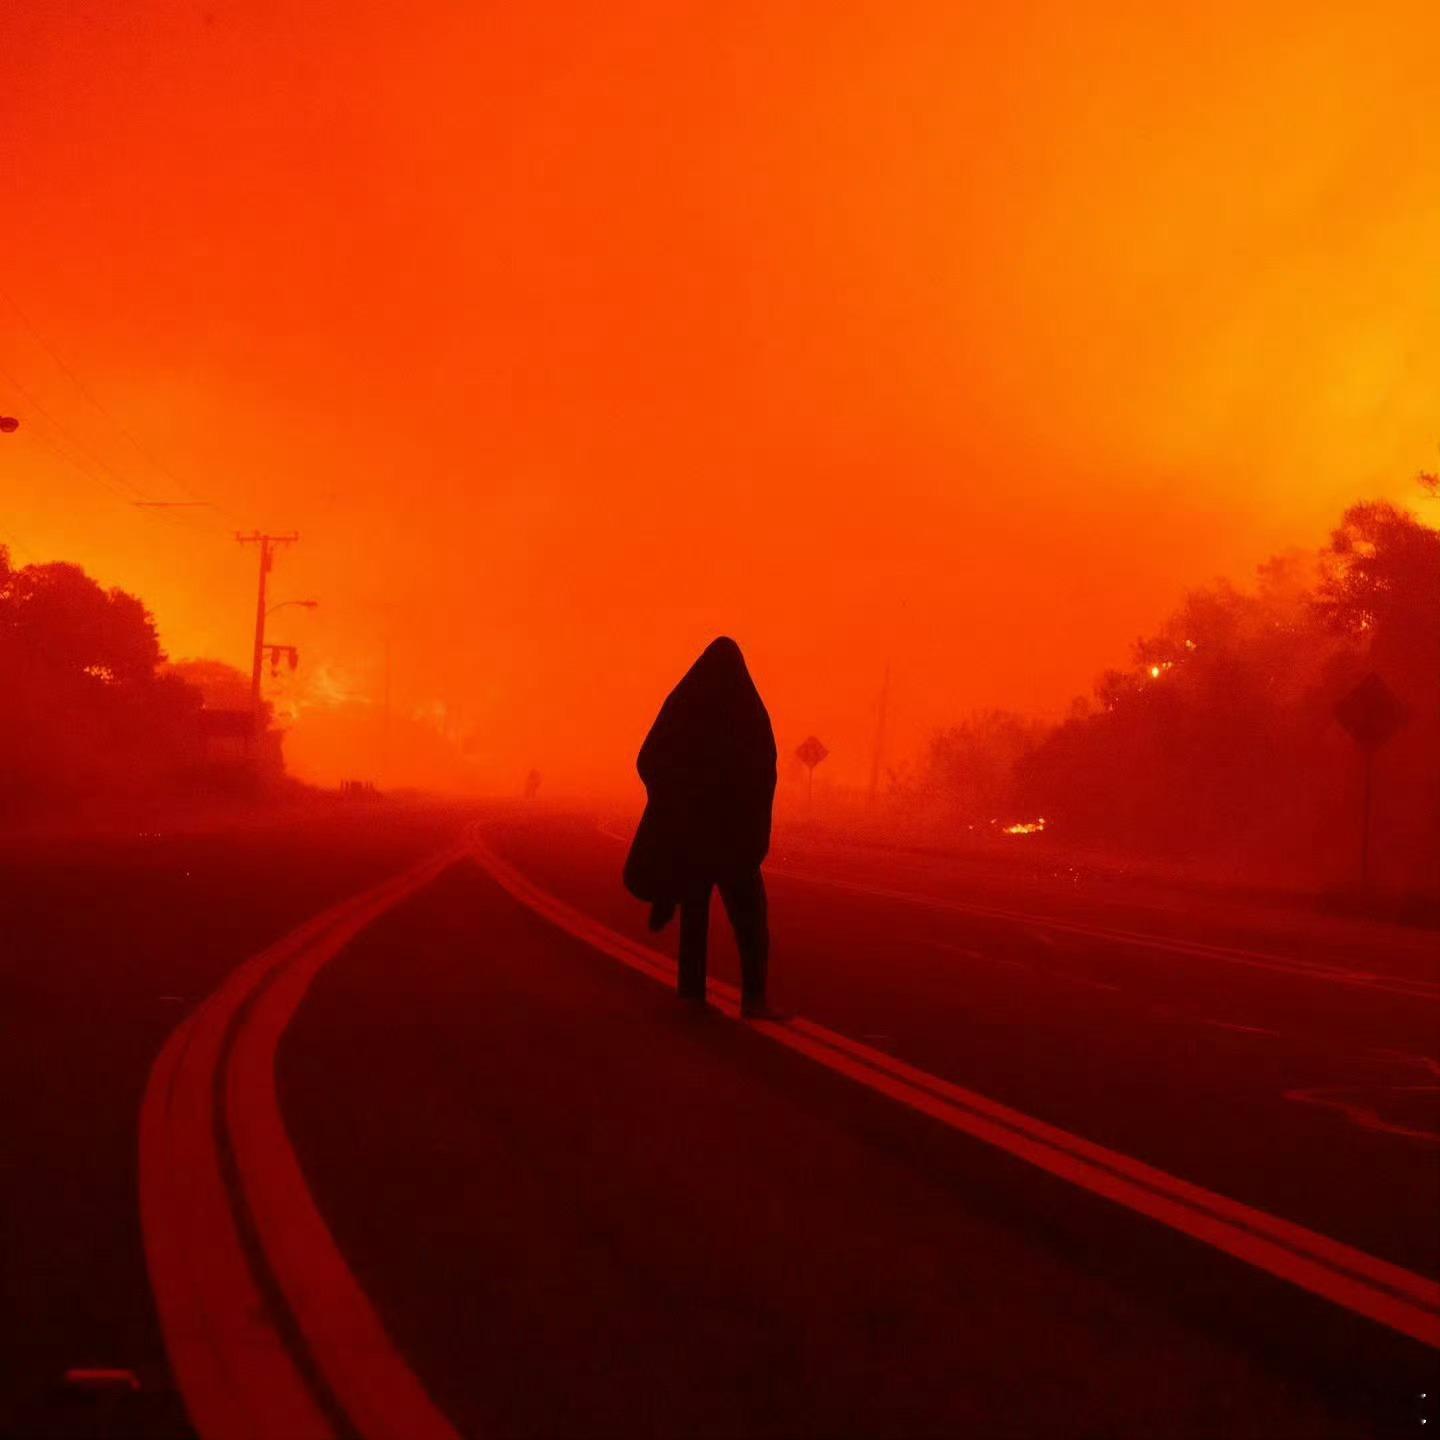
694, 938
744, 897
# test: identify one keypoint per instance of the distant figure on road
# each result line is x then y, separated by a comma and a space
532, 784
708, 765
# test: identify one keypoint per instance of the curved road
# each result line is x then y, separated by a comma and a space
1031, 1157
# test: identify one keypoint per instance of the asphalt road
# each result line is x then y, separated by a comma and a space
580, 1208
106, 943
584, 1211
1259, 1074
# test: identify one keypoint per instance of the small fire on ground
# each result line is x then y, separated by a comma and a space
1025, 827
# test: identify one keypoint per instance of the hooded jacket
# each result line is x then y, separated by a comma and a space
708, 765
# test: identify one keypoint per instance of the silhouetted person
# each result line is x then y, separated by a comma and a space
708, 765
532, 784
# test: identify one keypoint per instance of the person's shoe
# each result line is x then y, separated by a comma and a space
661, 914
760, 1010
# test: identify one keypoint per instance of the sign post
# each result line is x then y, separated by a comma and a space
810, 752
1370, 714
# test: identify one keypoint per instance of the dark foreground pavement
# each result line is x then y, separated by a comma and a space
1314, 1100
584, 1210
105, 945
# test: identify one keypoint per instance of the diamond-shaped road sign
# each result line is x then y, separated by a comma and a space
810, 752
1371, 713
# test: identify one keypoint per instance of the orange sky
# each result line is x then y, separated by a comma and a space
569, 336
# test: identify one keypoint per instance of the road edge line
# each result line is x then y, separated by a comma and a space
1389, 1294
238, 1377
1194, 949
382, 1397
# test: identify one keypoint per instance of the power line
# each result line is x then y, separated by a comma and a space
118, 489
90, 396
116, 478
117, 495
36, 429
108, 478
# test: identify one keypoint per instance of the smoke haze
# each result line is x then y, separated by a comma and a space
570, 337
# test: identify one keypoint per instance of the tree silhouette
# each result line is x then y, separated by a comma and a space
70, 625
86, 709
1221, 739
1380, 583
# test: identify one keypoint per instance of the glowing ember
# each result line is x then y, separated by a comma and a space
1026, 827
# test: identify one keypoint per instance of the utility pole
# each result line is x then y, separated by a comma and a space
879, 736
385, 733
267, 544
1366, 807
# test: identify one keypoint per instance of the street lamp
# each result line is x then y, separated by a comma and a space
305, 604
